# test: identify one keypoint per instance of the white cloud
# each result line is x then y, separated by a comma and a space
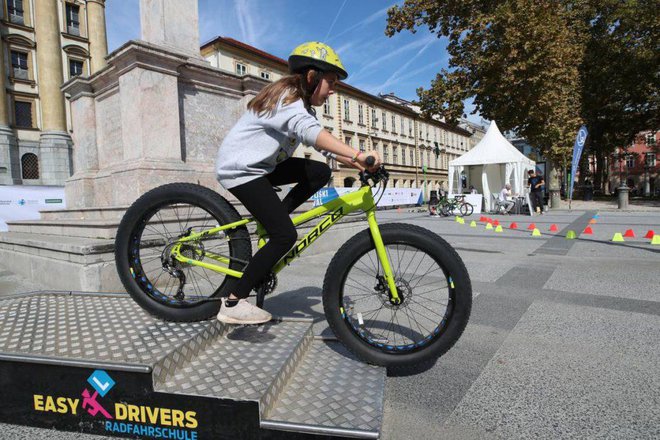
373, 17
380, 60
335, 20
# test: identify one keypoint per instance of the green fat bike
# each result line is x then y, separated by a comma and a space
396, 295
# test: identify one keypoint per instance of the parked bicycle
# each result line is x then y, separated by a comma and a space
452, 206
396, 295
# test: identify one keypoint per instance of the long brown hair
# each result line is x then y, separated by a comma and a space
294, 86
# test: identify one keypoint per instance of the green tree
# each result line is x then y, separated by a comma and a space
544, 67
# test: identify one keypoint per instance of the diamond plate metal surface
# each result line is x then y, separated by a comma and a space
94, 327
332, 389
168, 365
244, 364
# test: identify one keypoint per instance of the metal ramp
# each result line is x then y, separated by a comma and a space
98, 363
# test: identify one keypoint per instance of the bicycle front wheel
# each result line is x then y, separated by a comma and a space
431, 280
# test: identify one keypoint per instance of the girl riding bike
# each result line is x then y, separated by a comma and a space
256, 154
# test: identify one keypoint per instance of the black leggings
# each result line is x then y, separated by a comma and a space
259, 197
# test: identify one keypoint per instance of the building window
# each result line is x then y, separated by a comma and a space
265, 75
360, 114
403, 155
650, 159
347, 110
386, 154
410, 128
326, 107
384, 120
403, 128
241, 69
23, 114
19, 64
650, 139
362, 147
395, 155
75, 68
73, 19
374, 120
393, 124
630, 160
30, 166
428, 158
412, 157
16, 12
347, 140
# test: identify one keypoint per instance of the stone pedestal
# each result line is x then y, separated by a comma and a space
9, 175
154, 116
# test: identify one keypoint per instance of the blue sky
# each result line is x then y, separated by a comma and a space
354, 28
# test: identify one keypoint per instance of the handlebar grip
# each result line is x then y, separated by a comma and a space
370, 161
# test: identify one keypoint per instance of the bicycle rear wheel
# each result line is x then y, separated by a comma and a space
165, 287
466, 209
432, 282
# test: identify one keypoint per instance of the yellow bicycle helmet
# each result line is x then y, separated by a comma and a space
316, 55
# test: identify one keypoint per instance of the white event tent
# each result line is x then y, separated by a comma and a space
491, 164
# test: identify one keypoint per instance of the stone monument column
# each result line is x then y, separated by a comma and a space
55, 143
171, 24
8, 172
98, 42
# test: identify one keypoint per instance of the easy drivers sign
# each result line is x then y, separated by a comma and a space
121, 417
391, 197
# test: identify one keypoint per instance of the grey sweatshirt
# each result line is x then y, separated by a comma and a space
256, 144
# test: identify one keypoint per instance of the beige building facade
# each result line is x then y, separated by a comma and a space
45, 43
416, 151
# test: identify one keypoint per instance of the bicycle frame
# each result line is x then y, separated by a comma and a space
362, 199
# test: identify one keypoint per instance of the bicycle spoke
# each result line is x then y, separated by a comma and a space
157, 238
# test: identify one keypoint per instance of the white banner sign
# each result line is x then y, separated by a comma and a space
20, 202
391, 197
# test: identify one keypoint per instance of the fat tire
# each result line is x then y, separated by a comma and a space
205, 198
434, 246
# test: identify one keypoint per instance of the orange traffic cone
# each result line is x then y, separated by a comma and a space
592, 221
629, 233
531, 227
482, 219
514, 225
588, 231
553, 228
649, 234
496, 223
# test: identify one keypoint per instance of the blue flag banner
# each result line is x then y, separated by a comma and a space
580, 140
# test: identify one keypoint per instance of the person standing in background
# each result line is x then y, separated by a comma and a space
535, 184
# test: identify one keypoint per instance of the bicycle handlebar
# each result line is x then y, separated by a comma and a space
376, 176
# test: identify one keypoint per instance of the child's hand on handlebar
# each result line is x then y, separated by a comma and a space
369, 160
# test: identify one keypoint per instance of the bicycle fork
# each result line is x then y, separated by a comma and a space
382, 257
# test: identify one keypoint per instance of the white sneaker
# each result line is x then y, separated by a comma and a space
242, 313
